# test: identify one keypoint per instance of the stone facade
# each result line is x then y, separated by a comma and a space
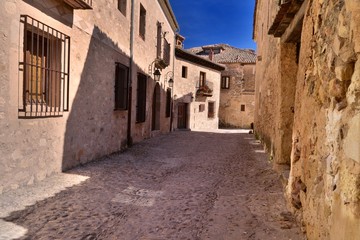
237, 100
307, 107
191, 106
34, 147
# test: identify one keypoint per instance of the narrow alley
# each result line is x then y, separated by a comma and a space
183, 185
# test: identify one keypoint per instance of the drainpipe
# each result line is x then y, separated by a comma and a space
172, 93
131, 67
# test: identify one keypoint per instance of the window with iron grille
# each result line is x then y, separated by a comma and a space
211, 109
142, 22
184, 72
202, 79
242, 108
225, 82
45, 85
141, 98
122, 6
121, 87
168, 102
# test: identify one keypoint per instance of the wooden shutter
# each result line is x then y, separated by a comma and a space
141, 98
121, 87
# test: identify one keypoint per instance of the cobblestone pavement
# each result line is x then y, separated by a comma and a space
183, 185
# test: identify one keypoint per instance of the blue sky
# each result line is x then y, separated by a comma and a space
204, 22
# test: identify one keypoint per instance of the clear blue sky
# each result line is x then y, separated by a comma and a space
204, 22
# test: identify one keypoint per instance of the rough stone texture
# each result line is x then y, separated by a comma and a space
241, 92
323, 186
184, 185
32, 149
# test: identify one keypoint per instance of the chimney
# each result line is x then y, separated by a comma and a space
179, 41
211, 55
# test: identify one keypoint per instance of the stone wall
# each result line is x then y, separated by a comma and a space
33, 148
240, 92
185, 92
311, 98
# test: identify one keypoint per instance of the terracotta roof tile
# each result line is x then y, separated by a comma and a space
228, 54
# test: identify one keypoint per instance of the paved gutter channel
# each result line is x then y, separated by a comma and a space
183, 185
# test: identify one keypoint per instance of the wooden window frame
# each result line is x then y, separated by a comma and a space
141, 98
121, 88
184, 72
242, 107
122, 6
142, 22
225, 82
211, 109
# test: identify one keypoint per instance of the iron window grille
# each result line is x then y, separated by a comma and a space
141, 98
121, 87
168, 103
45, 70
211, 109
225, 82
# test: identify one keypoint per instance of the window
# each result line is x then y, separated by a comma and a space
201, 107
184, 71
158, 38
202, 79
168, 102
211, 109
121, 87
45, 86
142, 22
225, 82
122, 6
141, 98
242, 108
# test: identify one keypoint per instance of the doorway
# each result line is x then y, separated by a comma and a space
182, 116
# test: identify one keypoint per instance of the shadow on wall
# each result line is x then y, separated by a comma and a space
93, 128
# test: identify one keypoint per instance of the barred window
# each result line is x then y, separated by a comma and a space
168, 102
121, 87
45, 85
141, 98
211, 109
225, 82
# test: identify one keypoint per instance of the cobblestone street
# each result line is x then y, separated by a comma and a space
184, 185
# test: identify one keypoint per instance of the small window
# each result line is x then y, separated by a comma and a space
45, 86
201, 107
225, 82
121, 87
184, 71
141, 98
211, 109
168, 103
202, 79
242, 108
122, 6
142, 22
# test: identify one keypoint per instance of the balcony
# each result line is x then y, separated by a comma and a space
163, 59
205, 91
79, 4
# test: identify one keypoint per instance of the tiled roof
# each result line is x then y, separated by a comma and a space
228, 54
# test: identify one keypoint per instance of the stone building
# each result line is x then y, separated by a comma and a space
237, 96
196, 91
308, 107
77, 81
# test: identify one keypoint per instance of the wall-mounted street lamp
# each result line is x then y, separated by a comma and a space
154, 70
171, 82
157, 75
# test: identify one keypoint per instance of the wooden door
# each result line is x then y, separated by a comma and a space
182, 115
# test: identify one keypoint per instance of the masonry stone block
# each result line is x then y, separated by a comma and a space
352, 141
